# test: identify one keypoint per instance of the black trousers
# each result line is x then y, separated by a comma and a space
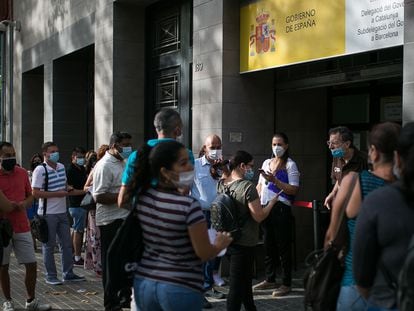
241, 274
108, 232
277, 234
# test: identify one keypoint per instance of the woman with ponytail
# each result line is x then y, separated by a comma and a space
169, 275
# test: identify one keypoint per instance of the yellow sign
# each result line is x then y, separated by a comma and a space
275, 33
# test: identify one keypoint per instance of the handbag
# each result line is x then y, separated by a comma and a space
88, 202
39, 228
322, 280
123, 254
38, 224
6, 232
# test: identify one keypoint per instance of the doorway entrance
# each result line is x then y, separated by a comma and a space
169, 61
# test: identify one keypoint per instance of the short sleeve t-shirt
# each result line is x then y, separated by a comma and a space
76, 178
244, 192
107, 175
16, 187
168, 253
57, 182
130, 165
340, 168
293, 179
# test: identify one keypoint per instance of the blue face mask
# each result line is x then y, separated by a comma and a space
54, 157
80, 161
126, 151
338, 152
249, 174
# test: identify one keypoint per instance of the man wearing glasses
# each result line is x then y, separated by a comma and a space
346, 158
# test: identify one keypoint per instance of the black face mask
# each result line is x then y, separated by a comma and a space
8, 164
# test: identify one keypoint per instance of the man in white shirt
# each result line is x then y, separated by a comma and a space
204, 189
56, 213
107, 176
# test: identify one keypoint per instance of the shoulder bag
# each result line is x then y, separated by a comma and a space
325, 270
123, 254
88, 202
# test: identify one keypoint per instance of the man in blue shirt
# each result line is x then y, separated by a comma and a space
168, 125
204, 189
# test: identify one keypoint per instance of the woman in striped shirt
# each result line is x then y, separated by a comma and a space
169, 275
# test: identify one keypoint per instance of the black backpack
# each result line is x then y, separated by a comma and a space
405, 293
225, 214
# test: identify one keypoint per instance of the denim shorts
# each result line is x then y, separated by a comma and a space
157, 296
79, 218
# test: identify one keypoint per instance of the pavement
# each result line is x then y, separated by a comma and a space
88, 295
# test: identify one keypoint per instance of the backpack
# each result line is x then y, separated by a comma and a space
123, 254
405, 293
225, 214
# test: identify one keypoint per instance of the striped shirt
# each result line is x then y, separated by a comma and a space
368, 182
57, 182
168, 255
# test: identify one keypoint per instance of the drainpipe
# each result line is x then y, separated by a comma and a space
11, 26
3, 83
11, 66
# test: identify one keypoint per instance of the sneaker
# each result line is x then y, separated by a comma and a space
281, 291
72, 277
35, 305
78, 263
213, 293
218, 280
8, 305
206, 304
54, 281
264, 285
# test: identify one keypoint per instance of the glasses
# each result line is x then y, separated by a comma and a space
333, 143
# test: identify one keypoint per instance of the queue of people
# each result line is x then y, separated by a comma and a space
172, 194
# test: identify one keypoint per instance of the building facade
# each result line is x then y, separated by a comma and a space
82, 69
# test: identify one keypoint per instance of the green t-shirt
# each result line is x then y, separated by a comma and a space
243, 192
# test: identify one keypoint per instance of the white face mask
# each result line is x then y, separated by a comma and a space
179, 138
278, 151
396, 171
215, 154
185, 179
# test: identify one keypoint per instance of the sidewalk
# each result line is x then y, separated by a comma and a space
86, 296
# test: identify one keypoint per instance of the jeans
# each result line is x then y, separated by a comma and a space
58, 224
241, 274
372, 307
208, 266
156, 296
350, 299
277, 234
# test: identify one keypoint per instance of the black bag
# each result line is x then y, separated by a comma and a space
39, 228
6, 232
88, 202
38, 224
405, 291
225, 215
123, 254
322, 280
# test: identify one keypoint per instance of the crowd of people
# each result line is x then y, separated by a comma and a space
172, 193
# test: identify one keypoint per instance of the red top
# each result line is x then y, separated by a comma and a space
16, 187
